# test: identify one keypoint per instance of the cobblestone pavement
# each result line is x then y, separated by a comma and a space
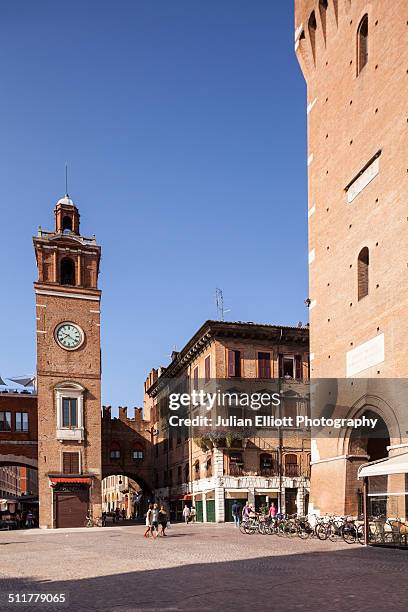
198, 567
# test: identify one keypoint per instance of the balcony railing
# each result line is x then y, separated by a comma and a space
292, 470
236, 470
269, 472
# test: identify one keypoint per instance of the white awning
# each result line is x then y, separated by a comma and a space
392, 465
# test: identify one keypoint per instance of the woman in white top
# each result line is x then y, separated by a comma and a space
149, 516
186, 513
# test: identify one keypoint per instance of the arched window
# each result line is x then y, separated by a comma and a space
186, 472
362, 272
312, 26
114, 451
67, 271
197, 470
362, 44
323, 5
291, 465
67, 223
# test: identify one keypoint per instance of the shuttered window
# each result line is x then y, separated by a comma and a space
264, 365
207, 366
298, 367
70, 463
195, 378
234, 363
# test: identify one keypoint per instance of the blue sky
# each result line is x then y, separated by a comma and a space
183, 124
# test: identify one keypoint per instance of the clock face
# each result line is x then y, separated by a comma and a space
69, 336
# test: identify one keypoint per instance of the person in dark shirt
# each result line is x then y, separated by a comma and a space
236, 513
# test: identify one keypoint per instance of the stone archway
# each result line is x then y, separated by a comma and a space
362, 446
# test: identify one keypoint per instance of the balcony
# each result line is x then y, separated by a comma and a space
269, 472
236, 470
292, 470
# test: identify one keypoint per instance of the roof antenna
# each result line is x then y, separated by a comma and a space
219, 301
66, 180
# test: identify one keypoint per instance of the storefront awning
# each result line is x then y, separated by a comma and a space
65, 480
392, 465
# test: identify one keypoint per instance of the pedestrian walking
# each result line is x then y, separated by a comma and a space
163, 520
193, 514
236, 513
123, 514
149, 514
246, 511
155, 520
117, 515
186, 514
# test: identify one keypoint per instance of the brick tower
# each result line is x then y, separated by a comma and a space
354, 57
68, 371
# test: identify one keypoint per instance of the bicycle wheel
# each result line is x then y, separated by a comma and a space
242, 527
281, 529
322, 531
334, 532
304, 531
349, 533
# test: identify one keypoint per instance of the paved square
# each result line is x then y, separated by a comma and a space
199, 567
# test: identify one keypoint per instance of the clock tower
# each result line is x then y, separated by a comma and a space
68, 371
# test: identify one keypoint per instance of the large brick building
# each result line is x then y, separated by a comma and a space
354, 56
260, 466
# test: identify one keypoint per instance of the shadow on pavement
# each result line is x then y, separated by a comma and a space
355, 579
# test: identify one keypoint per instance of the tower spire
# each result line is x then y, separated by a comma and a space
66, 180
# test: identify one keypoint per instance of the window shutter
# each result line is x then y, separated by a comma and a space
207, 368
70, 463
298, 367
280, 360
231, 363
264, 365
237, 363
196, 378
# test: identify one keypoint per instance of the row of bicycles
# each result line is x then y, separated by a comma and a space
382, 530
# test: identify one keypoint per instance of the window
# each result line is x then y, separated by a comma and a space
67, 271
290, 366
362, 272
179, 474
5, 421
69, 412
312, 26
156, 480
234, 363
236, 464
137, 454
197, 470
195, 378
362, 44
170, 478
264, 365
291, 465
207, 366
114, 451
21, 421
323, 6
70, 463
186, 472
